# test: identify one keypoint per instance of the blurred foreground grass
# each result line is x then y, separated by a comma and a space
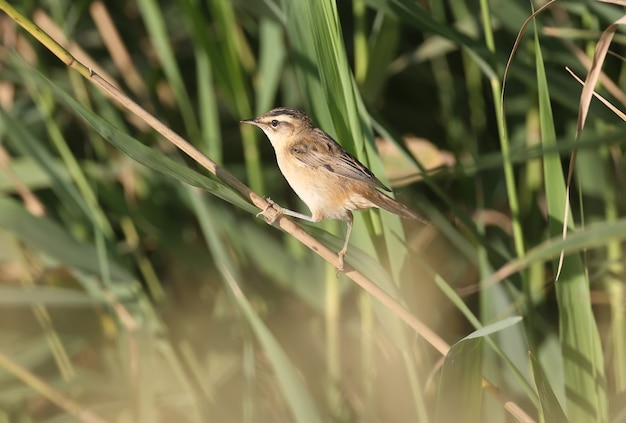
128, 294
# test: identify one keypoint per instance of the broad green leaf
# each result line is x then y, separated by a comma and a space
460, 392
461, 383
580, 341
550, 407
498, 346
494, 327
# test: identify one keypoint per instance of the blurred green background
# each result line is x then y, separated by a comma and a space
128, 294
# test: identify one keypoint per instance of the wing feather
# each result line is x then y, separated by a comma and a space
325, 153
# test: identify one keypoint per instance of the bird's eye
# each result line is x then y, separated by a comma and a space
274, 123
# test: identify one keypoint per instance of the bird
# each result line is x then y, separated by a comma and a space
326, 177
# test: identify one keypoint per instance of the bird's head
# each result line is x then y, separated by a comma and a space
281, 124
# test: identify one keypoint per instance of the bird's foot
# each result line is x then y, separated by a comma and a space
271, 212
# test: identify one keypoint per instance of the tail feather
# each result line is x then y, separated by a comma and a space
392, 206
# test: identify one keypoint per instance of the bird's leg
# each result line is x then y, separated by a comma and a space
298, 215
279, 210
344, 250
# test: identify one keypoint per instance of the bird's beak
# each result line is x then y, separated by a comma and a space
252, 121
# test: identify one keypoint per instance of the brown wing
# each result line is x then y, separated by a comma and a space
325, 153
